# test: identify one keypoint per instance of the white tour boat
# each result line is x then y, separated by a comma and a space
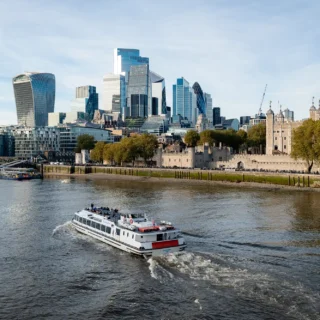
129, 232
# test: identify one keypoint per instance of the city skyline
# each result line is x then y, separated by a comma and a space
232, 49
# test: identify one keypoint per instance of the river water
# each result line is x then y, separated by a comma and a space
252, 253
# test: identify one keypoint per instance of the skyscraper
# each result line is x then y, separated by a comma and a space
159, 102
201, 103
182, 99
216, 116
209, 111
114, 93
125, 58
244, 120
87, 100
34, 95
139, 97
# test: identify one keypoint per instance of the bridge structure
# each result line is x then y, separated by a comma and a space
13, 164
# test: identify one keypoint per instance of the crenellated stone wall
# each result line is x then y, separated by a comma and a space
264, 162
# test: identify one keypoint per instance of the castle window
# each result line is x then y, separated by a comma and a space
285, 138
275, 138
285, 147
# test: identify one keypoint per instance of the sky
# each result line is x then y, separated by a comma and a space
232, 48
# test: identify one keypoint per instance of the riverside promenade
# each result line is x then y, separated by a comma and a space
301, 181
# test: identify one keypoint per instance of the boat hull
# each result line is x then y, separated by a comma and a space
124, 247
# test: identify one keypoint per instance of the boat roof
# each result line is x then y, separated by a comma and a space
115, 216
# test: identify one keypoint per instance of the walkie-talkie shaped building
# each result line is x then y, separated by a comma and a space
35, 95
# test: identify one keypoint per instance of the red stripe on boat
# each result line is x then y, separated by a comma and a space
165, 244
147, 229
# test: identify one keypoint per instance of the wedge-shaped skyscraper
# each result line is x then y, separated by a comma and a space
35, 95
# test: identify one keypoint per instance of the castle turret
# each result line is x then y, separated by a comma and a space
313, 110
280, 116
192, 156
269, 130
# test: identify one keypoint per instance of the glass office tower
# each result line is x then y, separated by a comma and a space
209, 111
216, 116
114, 93
87, 101
34, 95
125, 58
139, 98
182, 99
159, 101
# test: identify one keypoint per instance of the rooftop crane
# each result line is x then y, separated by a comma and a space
264, 93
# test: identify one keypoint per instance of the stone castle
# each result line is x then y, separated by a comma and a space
279, 130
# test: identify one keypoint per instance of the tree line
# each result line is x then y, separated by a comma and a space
237, 140
128, 150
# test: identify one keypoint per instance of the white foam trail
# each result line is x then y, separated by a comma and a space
65, 228
152, 267
253, 285
158, 272
197, 301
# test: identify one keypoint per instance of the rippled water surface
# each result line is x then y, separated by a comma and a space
252, 254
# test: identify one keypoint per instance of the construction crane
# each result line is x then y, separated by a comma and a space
264, 93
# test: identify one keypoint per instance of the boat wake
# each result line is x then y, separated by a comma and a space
216, 270
159, 272
67, 231
64, 229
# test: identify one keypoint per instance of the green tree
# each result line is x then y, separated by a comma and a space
257, 136
207, 136
85, 142
119, 153
306, 143
97, 152
131, 148
146, 145
108, 153
192, 138
243, 136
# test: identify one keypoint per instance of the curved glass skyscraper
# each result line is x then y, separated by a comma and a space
201, 103
34, 94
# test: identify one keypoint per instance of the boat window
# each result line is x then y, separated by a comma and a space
84, 221
141, 237
88, 222
132, 236
108, 229
93, 224
98, 226
103, 228
81, 220
118, 232
127, 234
159, 237
123, 232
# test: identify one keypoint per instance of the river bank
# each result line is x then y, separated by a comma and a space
143, 179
